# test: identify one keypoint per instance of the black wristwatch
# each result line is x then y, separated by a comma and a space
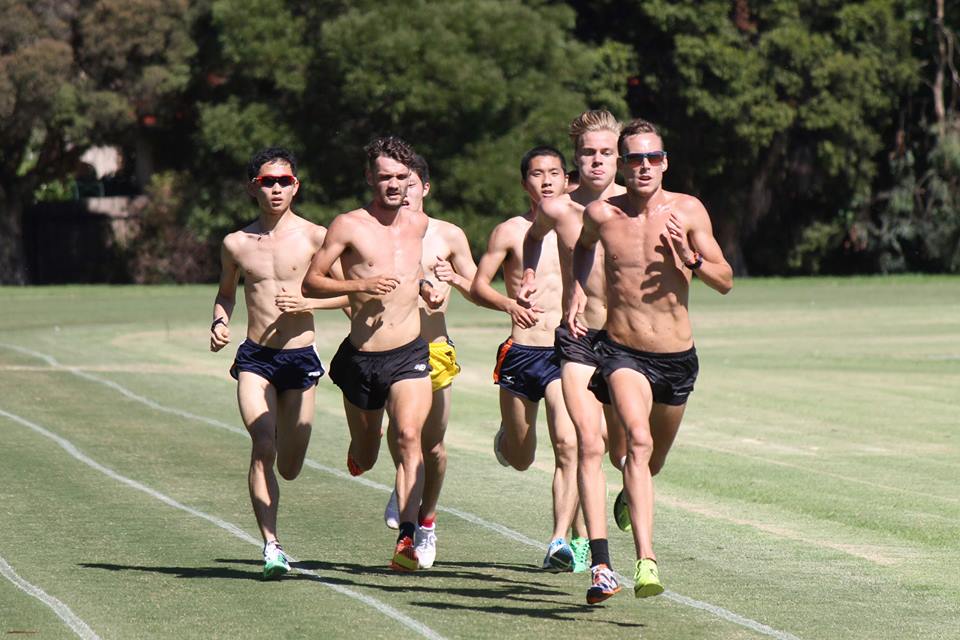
697, 262
219, 320
424, 281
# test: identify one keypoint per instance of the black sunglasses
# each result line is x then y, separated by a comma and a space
655, 158
269, 181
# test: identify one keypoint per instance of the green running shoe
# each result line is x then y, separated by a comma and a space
621, 512
581, 553
275, 562
647, 579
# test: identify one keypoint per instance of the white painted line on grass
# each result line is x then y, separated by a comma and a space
67, 446
63, 612
720, 612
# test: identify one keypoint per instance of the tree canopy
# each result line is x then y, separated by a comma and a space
822, 135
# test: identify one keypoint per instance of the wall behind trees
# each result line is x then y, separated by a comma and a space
822, 136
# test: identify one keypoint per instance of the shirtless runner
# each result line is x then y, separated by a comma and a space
526, 371
594, 135
383, 363
277, 366
446, 263
653, 241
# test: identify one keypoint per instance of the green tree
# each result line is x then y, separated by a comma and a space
72, 74
776, 113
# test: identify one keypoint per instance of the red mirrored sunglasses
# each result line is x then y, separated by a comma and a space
269, 181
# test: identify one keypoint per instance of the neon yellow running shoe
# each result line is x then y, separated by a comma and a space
621, 512
647, 579
275, 562
581, 553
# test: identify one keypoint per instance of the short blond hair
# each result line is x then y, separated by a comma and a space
593, 120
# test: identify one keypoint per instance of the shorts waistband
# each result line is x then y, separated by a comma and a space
653, 355
510, 342
413, 343
250, 344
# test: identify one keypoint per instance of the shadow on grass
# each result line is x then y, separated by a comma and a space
563, 612
179, 572
533, 598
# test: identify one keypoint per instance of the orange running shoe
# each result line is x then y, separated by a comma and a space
405, 556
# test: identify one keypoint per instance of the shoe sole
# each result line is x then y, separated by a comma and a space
556, 564
600, 596
404, 564
274, 572
619, 507
647, 590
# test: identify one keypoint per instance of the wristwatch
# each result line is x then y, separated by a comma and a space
697, 262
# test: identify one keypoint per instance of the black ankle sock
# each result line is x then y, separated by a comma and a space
599, 552
407, 529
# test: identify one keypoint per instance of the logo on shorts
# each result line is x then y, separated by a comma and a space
314, 374
507, 379
420, 367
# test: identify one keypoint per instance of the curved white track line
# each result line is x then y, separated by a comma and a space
67, 446
63, 612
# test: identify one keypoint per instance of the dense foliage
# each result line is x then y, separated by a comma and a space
822, 135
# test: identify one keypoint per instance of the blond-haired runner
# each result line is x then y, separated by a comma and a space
653, 242
525, 369
383, 363
447, 263
277, 366
594, 135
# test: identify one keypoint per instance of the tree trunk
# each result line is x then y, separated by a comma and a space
939, 108
13, 267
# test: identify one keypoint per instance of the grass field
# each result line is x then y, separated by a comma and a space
814, 490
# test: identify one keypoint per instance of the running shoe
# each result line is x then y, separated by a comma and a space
404, 556
275, 562
621, 512
559, 556
604, 586
391, 515
496, 447
581, 552
647, 579
426, 546
353, 467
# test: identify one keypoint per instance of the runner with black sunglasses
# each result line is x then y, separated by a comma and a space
653, 242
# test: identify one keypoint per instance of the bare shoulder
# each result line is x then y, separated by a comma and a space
420, 221
234, 242
447, 230
688, 206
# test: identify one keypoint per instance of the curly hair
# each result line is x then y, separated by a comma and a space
391, 147
268, 155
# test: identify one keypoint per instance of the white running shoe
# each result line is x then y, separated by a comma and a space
391, 515
496, 447
427, 546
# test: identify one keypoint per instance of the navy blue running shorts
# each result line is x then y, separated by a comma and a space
525, 371
285, 369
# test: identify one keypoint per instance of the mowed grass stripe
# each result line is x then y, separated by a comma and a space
715, 610
67, 446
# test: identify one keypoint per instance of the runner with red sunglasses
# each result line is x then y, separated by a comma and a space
277, 366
